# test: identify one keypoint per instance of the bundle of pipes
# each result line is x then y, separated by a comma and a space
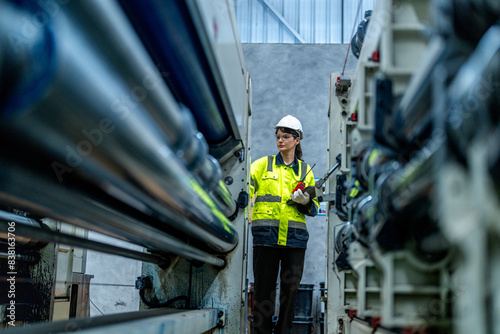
167, 29
115, 150
474, 104
450, 101
409, 126
470, 110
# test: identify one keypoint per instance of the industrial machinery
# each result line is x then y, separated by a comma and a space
414, 209
131, 119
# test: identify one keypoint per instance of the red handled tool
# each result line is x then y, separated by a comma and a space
301, 185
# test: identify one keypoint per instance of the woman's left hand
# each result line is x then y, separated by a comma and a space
300, 197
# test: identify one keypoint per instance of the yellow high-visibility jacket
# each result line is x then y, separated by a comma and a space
273, 221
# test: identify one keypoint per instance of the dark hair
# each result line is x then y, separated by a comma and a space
298, 149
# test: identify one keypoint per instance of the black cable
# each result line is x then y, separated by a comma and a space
157, 304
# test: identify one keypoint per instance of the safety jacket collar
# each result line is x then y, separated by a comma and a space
295, 164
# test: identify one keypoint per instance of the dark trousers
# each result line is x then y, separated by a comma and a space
266, 263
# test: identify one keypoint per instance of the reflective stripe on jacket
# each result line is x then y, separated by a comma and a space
273, 221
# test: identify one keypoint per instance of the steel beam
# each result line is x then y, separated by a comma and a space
283, 21
142, 322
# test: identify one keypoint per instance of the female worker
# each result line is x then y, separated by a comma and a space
279, 226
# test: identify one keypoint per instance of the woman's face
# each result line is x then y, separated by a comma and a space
286, 142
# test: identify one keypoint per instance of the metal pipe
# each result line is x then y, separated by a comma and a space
404, 207
414, 182
33, 233
20, 72
167, 30
20, 240
20, 257
109, 138
362, 218
211, 173
130, 62
32, 192
475, 97
175, 121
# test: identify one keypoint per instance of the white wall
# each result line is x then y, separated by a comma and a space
112, 290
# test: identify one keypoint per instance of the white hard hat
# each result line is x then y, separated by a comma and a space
292, 123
